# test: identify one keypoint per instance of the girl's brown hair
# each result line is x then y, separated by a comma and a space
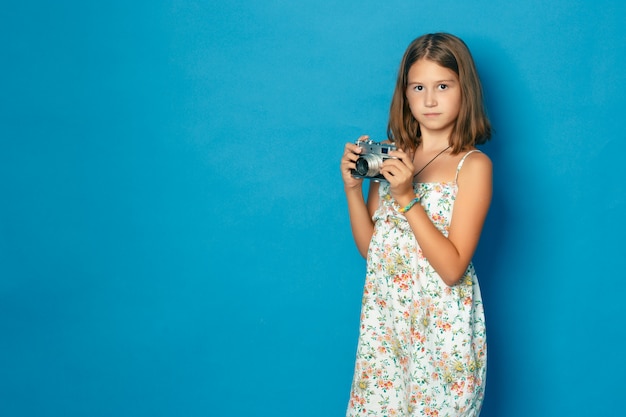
472, 126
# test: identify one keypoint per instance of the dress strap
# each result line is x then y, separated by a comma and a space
458, 168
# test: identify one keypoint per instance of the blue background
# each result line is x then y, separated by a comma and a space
174, 238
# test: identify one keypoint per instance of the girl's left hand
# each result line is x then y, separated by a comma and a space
399, 172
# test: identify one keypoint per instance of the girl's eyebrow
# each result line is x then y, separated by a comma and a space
434, 82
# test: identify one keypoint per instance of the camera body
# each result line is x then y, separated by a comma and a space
371, 159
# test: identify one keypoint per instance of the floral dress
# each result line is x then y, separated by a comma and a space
422, 348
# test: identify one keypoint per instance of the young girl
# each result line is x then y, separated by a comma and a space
422, 349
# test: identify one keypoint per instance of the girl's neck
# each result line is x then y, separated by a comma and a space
431, 140
431, 144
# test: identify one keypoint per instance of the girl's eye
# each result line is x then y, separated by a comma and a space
443, 86
419, 88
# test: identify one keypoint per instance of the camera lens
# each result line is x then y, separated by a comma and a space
361, 166
368, 165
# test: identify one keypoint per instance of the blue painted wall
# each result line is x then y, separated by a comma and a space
173, 231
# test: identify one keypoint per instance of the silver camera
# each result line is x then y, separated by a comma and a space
371, 159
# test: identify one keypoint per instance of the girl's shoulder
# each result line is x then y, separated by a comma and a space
473, 162
475, 155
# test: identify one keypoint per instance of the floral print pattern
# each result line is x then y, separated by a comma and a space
422, 344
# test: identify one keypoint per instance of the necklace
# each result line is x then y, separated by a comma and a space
428, 163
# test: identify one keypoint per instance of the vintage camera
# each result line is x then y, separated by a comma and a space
371, 159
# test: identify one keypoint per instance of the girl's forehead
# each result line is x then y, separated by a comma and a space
425, 69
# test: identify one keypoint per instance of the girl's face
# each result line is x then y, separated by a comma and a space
434, 96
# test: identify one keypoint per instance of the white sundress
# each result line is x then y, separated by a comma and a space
422, 344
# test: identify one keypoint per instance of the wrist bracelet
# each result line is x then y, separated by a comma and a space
411, 204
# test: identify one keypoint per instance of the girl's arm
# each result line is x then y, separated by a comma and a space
451, 255
360, 212
361, 216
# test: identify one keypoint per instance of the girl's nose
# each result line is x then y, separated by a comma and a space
429, 99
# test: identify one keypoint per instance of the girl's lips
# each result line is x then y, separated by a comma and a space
431, 114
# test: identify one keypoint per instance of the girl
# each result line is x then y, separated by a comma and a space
422, 349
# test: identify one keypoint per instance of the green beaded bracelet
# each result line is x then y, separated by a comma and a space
411, 204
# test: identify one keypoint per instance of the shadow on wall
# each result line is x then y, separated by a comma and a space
506, 112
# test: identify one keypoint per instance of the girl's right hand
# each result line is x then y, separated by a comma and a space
350, 155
